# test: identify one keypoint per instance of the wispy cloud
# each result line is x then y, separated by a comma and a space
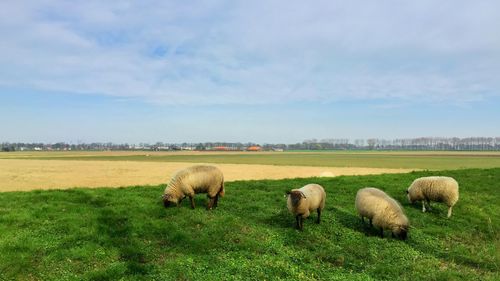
232, 52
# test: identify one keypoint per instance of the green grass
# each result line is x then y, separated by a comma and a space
415, 160
126, 234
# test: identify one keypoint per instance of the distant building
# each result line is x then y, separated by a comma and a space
254, 148
220, 148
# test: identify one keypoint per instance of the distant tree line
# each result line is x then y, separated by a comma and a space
424, 143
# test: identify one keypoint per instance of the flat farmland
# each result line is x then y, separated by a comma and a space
125, 233
24, 175
369, 159
22, 171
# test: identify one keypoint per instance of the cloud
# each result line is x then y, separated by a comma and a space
230, 52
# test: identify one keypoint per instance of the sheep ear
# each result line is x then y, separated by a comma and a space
303, 195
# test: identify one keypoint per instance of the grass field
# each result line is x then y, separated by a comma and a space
126, 234
406, 160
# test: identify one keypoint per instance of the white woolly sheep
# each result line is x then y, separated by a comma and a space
382, 211
438, 189
193, 180
302, 201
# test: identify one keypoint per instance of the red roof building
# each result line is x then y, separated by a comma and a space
254, 148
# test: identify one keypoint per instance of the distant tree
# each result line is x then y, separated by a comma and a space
371, 143
8, 148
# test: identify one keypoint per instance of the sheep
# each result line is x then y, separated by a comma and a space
438, 189
302, 201
382, 211
193, 180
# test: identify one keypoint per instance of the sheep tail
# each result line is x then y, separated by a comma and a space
221, 191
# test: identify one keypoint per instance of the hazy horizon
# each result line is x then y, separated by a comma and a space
263, 72
346, 140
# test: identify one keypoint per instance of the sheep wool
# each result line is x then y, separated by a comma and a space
382, 211
301, 202
437, 189
194, 180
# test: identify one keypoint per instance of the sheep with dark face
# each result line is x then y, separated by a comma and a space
438, 189
301, 202
382, 211
194, 180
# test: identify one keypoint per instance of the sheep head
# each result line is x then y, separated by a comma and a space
296, 196
168, 200
401, 231
408, 195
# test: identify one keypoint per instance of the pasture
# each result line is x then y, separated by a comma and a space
126, 234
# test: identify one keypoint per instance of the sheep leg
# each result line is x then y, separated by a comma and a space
449, 212
300, 222
211, 201
180, 201
216, 200
423, 206
192, 201
319, 216
297, 220
428, 204
371, 223
381, 232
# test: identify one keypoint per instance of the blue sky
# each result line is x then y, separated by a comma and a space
261, 71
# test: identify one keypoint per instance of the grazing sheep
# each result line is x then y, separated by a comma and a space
438, 189
193, 180
302, 201
382, 211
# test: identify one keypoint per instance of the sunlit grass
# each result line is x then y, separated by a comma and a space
126, 234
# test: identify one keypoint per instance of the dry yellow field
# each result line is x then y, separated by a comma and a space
24, 174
